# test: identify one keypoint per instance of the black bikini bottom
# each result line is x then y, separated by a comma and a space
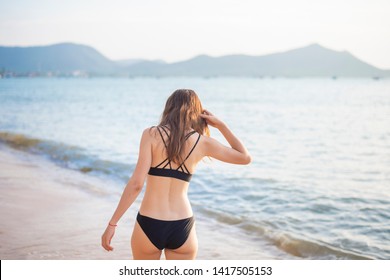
166, 234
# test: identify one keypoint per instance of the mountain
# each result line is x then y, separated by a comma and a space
130, 62
64, 57
313, 61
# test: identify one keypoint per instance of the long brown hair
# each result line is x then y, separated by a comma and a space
181, 114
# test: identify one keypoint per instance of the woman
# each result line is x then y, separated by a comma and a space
167, 158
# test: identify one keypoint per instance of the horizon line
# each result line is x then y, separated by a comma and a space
193, 56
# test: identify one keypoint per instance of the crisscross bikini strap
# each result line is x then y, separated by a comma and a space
183, 165
162, 163
166, 146
182, 169
163, 128
162, 137
193, 147
189, 134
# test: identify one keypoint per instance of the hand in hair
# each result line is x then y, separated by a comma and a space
211, 119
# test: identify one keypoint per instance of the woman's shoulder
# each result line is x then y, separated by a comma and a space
151, 128
150, 132
207, 142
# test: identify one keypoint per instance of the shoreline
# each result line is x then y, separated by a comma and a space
46, 213
51, 212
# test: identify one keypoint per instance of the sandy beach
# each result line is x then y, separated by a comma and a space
50, 212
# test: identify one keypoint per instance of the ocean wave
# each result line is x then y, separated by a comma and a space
298, 247
68, 156
311, 249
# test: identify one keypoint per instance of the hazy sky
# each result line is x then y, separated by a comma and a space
174, 30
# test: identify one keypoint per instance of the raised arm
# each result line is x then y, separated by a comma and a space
236, 153
132, 189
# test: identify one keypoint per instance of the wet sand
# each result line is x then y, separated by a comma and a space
50, 212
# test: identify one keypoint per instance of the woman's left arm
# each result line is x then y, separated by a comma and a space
132, 189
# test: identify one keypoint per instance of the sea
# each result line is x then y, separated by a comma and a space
319, 183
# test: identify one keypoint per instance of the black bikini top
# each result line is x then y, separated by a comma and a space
180, 172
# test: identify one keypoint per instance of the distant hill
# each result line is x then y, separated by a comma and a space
310, 61
313, 60
65, 57
130, 62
